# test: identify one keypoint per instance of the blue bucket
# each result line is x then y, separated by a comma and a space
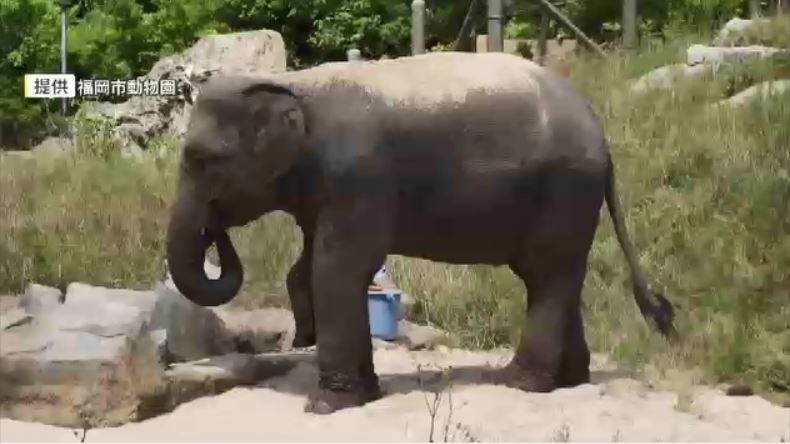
384, 311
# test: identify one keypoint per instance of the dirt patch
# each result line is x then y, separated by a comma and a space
611, 408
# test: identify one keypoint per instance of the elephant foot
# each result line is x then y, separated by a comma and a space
571, 377
325, 402
303, 339
514, 376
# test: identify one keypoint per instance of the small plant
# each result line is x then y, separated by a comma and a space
563, 434
85, 429
445, 384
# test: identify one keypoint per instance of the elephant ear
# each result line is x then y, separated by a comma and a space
278, 126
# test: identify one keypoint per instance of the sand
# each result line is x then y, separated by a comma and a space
611, 408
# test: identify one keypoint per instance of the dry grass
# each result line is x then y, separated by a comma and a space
706, 191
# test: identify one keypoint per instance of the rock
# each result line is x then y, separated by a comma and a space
716, 55
739, 390
99, 356
142, 117
760, 91
210, 376
380, 344
665, 76
260, 331
193, 332
84, 295
14, 318
417, 337
40, 297
191, 380
78, 377
734, 32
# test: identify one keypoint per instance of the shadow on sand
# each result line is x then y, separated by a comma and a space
296, 373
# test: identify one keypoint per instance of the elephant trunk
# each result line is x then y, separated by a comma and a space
190, 232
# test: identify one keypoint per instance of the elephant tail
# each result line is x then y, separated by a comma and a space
655, 307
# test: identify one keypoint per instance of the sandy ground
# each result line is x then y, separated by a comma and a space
612, 408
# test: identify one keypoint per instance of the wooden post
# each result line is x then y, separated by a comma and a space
544, 33
560, 17
465, 27
418, 27
754, 8
629, 24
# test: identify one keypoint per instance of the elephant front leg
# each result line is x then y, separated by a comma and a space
347, 253
301, 295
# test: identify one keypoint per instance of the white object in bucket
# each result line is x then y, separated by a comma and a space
382, 273
382, 280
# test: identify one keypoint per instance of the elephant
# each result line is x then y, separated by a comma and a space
460, 158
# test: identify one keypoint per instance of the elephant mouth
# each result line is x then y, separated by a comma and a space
220, 218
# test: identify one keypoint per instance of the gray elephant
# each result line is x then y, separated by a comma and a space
452, 157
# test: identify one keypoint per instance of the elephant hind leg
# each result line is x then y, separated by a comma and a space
575, 364
548, 355
553, 263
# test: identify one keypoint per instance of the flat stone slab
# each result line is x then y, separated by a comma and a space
215, 375
733, 32
260, 331
717, 55
13, 318
665, 77
761, 91
37, 298
98, 355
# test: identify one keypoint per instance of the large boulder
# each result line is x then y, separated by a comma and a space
81, 363
736, 31
719, 55
666, 76
756, 92
729, 48
193, 332
142, 117
37, 298
99, 357
261, 330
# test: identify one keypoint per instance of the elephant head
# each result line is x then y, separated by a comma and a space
243, 135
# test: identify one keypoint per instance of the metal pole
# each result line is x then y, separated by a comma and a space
544, 33
495, 37
754, 8
629, 24
63, 34
559, 16
418, 27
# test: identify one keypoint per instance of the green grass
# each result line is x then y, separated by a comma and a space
706, 191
